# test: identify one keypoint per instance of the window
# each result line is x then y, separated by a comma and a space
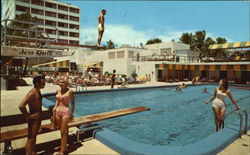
65, 25
50, 31
37, 11
63, 33
50, 5
23, 9
50, 14
62, 41
72, 34
74, 10
72, 26
111, 55
60, 7
25, 1
74, 42
120, 54
38, 2
62, 16
40, 21
51, 23
74, 18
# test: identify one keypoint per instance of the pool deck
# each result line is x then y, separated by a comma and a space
11, 99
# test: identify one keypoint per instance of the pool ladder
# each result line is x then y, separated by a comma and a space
240, 115
83, 86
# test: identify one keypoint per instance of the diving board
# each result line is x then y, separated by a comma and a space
21, 133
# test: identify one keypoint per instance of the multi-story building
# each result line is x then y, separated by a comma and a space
50, 14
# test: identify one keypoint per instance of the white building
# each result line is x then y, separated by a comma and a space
50, 14
125, 61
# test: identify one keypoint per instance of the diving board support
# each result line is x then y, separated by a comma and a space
8, 136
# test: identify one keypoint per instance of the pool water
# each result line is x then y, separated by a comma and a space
176, 117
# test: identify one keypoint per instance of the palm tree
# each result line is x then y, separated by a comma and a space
111, 44
24, 17
220, 40
200, 42
153, 41
220, 52
187, 38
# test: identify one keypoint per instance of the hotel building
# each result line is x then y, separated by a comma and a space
50, 14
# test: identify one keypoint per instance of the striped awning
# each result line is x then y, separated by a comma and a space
243, 44
97, 64
222, 67
58, 64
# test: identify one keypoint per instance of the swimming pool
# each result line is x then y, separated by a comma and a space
175, 119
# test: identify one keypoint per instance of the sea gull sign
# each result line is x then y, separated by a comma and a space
33, 52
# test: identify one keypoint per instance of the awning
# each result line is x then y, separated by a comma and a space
244, 44
57, 64
33, 52
97, 64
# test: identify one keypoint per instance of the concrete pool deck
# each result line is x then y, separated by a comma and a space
11, 99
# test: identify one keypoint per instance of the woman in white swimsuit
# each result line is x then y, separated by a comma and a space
219, 106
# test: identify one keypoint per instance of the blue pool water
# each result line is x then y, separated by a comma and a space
175, 118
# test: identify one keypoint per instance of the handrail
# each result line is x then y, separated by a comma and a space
82, 85
246, 120
235, 111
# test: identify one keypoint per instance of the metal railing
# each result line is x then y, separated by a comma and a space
240, 115
29, 34
83, 86
186, 59
177, 58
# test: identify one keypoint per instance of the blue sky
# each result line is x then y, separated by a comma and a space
135, 22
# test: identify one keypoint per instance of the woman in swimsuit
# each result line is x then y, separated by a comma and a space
219, 106
62, 111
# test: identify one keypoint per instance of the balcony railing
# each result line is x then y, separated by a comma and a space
189, 59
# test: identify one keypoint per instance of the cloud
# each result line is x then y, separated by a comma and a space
127, 34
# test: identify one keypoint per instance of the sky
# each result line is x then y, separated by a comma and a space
135, 22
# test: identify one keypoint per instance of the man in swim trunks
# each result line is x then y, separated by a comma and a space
34, 100
101, 20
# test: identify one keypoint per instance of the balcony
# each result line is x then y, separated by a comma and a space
37, 2
74, 10
22, 9
62, 41
50, 31
74, 42
73, 18
37, 11
64, 25
63, 33
64, 8
71, 34
72, 26
50, 5
62, 16
50, 14
50, 23
25, 1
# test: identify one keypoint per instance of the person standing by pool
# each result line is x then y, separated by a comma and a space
113, 79
219, 106
34, 117
62, 111
101, 20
